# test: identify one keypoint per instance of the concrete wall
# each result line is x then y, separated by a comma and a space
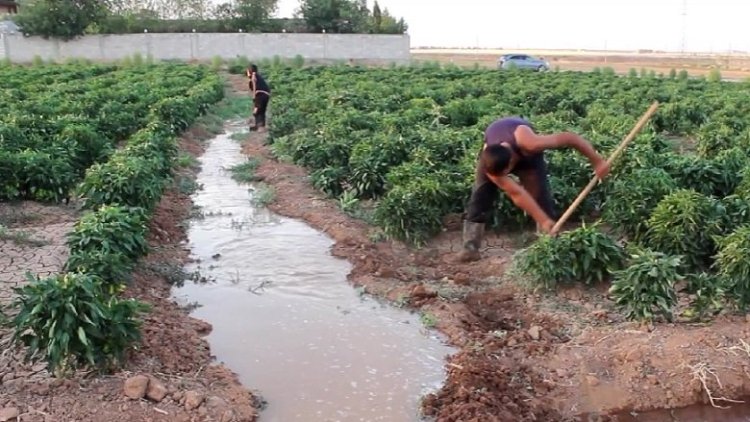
20, 49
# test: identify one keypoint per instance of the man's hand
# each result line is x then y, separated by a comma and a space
546, 227
602, 169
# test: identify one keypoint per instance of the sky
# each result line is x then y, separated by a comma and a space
708, 25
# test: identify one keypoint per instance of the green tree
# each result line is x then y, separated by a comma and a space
253, 14
377, 17
64, 19
339, 16
249, 15
164, 9
389, 24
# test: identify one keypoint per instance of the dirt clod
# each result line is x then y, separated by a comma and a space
592, 380
135, 387
535, 332
156, 390
193, 400
9, 414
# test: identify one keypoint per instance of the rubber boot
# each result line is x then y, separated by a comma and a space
472, 238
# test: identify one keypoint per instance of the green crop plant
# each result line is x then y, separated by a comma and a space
707, 292
645, 288
73, 320
107, 242
633, 197
582, 255
245, 171
684, 223
65, 119
733, 266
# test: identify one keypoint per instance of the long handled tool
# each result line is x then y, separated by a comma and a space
638, 126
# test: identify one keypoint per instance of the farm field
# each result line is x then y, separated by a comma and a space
732, 66
393, 152
641, 307
94, 176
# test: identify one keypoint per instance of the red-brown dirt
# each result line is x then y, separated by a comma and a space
524, 356
173, 350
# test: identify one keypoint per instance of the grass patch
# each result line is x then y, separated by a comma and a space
186, 160
21, 238
239, 136
233, 106
245, 172
263, 195
211, 122
187, 185
17, 219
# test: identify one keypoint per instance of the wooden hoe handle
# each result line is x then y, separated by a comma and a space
638, 126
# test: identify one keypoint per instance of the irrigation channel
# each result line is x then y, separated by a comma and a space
286, 320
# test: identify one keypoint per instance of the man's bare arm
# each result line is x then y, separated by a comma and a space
533, 142
522, 199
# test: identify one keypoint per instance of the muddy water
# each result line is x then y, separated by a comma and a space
286, 320
731, 412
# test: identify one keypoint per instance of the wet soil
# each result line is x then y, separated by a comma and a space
523, 355
174, 351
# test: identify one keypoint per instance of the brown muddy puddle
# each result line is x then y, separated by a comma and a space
731, 412
286, 320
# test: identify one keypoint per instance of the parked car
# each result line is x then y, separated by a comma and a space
522, 61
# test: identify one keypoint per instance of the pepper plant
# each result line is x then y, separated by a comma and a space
73, 320
582, 255
645, 289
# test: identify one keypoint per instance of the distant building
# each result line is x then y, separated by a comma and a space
8, 7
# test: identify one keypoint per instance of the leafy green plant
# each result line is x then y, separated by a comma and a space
413, 211
708, 293
582, 255
632, 198
684, 223
111, 267
245, 172
72, 320
645, 288
733, 265
737, 213
714, 75
124, 179
106, 242
743, 188
263, 194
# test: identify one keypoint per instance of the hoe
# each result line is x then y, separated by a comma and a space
638, 126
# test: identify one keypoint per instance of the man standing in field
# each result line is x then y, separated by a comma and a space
512, 146
261, 92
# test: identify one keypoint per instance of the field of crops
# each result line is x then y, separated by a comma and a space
395, 147
104, 135
398, 147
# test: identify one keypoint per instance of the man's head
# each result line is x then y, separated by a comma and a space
495, 159
253, 68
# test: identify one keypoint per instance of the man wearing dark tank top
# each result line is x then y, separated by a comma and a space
261, 92
511, 146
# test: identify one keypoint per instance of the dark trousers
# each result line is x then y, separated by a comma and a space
532, 172
260, 102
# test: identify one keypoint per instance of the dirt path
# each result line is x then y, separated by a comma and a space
523, 356
174, 354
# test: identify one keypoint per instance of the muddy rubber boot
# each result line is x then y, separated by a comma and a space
472, 238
